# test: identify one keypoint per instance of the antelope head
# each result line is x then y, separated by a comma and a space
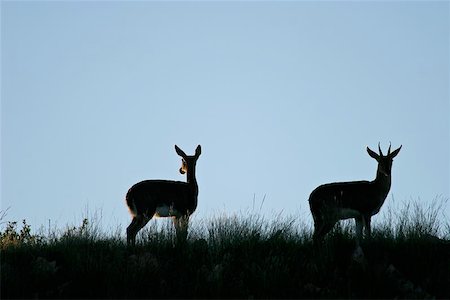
384, 161
188, 162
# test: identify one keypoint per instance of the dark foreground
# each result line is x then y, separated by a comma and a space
234, 259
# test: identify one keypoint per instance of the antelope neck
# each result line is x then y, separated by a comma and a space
383, 182
191, 180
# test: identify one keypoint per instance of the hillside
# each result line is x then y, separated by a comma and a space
229, 257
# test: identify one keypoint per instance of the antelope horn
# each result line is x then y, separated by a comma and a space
379, 149
389, 150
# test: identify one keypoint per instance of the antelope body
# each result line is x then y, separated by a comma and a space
164, 198
360, 200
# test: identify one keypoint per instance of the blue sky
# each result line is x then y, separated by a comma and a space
282, 96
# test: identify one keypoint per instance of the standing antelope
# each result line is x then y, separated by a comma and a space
361, 200
164, 198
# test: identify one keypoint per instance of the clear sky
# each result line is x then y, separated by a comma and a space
282, 96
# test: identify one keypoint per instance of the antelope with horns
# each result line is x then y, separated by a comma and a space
164, 198
360, 200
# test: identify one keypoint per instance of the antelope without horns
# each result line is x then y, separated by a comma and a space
360, 200
164, 198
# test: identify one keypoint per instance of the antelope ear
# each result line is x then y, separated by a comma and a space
394, 154
198, 151
373, 154
180, 152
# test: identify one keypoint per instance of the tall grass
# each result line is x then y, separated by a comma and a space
232, 256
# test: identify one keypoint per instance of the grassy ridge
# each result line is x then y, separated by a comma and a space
230, 257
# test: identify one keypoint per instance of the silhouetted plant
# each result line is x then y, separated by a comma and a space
13, 237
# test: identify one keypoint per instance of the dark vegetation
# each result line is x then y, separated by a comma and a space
232, 257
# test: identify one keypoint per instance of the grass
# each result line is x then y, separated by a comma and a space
232, 257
